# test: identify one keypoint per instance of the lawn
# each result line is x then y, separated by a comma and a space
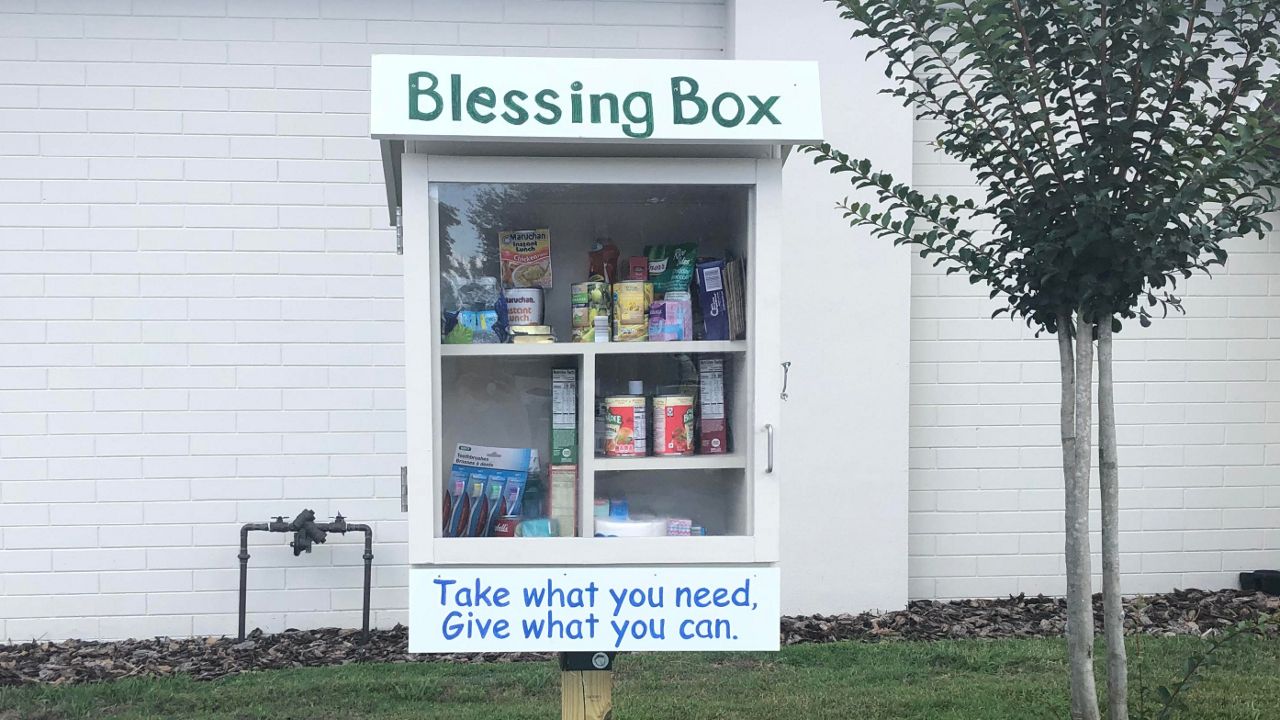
953, 680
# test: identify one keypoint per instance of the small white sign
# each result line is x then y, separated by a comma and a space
593, 608
515, 98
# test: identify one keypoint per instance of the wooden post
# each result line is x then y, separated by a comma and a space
586, 686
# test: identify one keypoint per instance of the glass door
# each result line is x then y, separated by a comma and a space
591, 358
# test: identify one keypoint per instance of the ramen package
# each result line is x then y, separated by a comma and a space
525, 258
671, 266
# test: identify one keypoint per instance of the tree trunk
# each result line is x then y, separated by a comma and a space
1109, 482
1076, 406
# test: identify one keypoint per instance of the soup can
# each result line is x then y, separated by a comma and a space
673, 425
524, 306
625, 426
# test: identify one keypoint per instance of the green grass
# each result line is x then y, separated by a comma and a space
954, 680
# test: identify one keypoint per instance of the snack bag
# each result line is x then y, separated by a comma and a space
671, 266
525, 257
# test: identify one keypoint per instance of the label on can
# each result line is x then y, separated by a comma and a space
592, 293
631, 301
673, 425
625, 426
524, 306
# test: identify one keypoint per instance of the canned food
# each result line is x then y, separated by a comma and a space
584, 316
524, 306
673, 425
631, 300
593, 294
625, 426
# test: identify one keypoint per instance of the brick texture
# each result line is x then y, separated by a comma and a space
200, 317
1198, 415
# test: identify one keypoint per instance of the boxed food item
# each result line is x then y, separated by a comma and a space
735, 297
713, 301
564, 416
713, 435
563, 508
525, 258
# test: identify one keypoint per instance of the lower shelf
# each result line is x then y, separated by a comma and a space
596, 551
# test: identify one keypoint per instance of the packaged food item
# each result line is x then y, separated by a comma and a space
593, 293
673, 425
481, 314
713, 432
524, 307
531, 330
712, 300
602, 261
679, 526
671, 266
525, 258
584, 316
564, 499
619, 509
671, 318
637, 268
626, 426
536, 527
601, 508
735, 297
584, 334
564, 416
631, 300
630, 333
532, 339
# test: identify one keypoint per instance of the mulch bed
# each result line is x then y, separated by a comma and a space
1183, 612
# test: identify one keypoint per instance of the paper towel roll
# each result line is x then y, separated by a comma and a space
637, 526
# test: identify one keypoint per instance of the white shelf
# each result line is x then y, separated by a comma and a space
592, 349
594, 551
670, 462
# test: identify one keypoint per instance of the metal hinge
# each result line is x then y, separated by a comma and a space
399, 231
404, 488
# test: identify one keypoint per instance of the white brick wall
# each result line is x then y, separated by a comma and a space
1198, 409
200, 319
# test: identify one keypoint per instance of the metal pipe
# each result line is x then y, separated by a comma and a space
244, 566
368, 571
339, 525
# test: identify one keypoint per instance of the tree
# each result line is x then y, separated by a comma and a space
1120, 143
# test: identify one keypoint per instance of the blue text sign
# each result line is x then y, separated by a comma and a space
592, 608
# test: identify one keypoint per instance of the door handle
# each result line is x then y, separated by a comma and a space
768, 428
